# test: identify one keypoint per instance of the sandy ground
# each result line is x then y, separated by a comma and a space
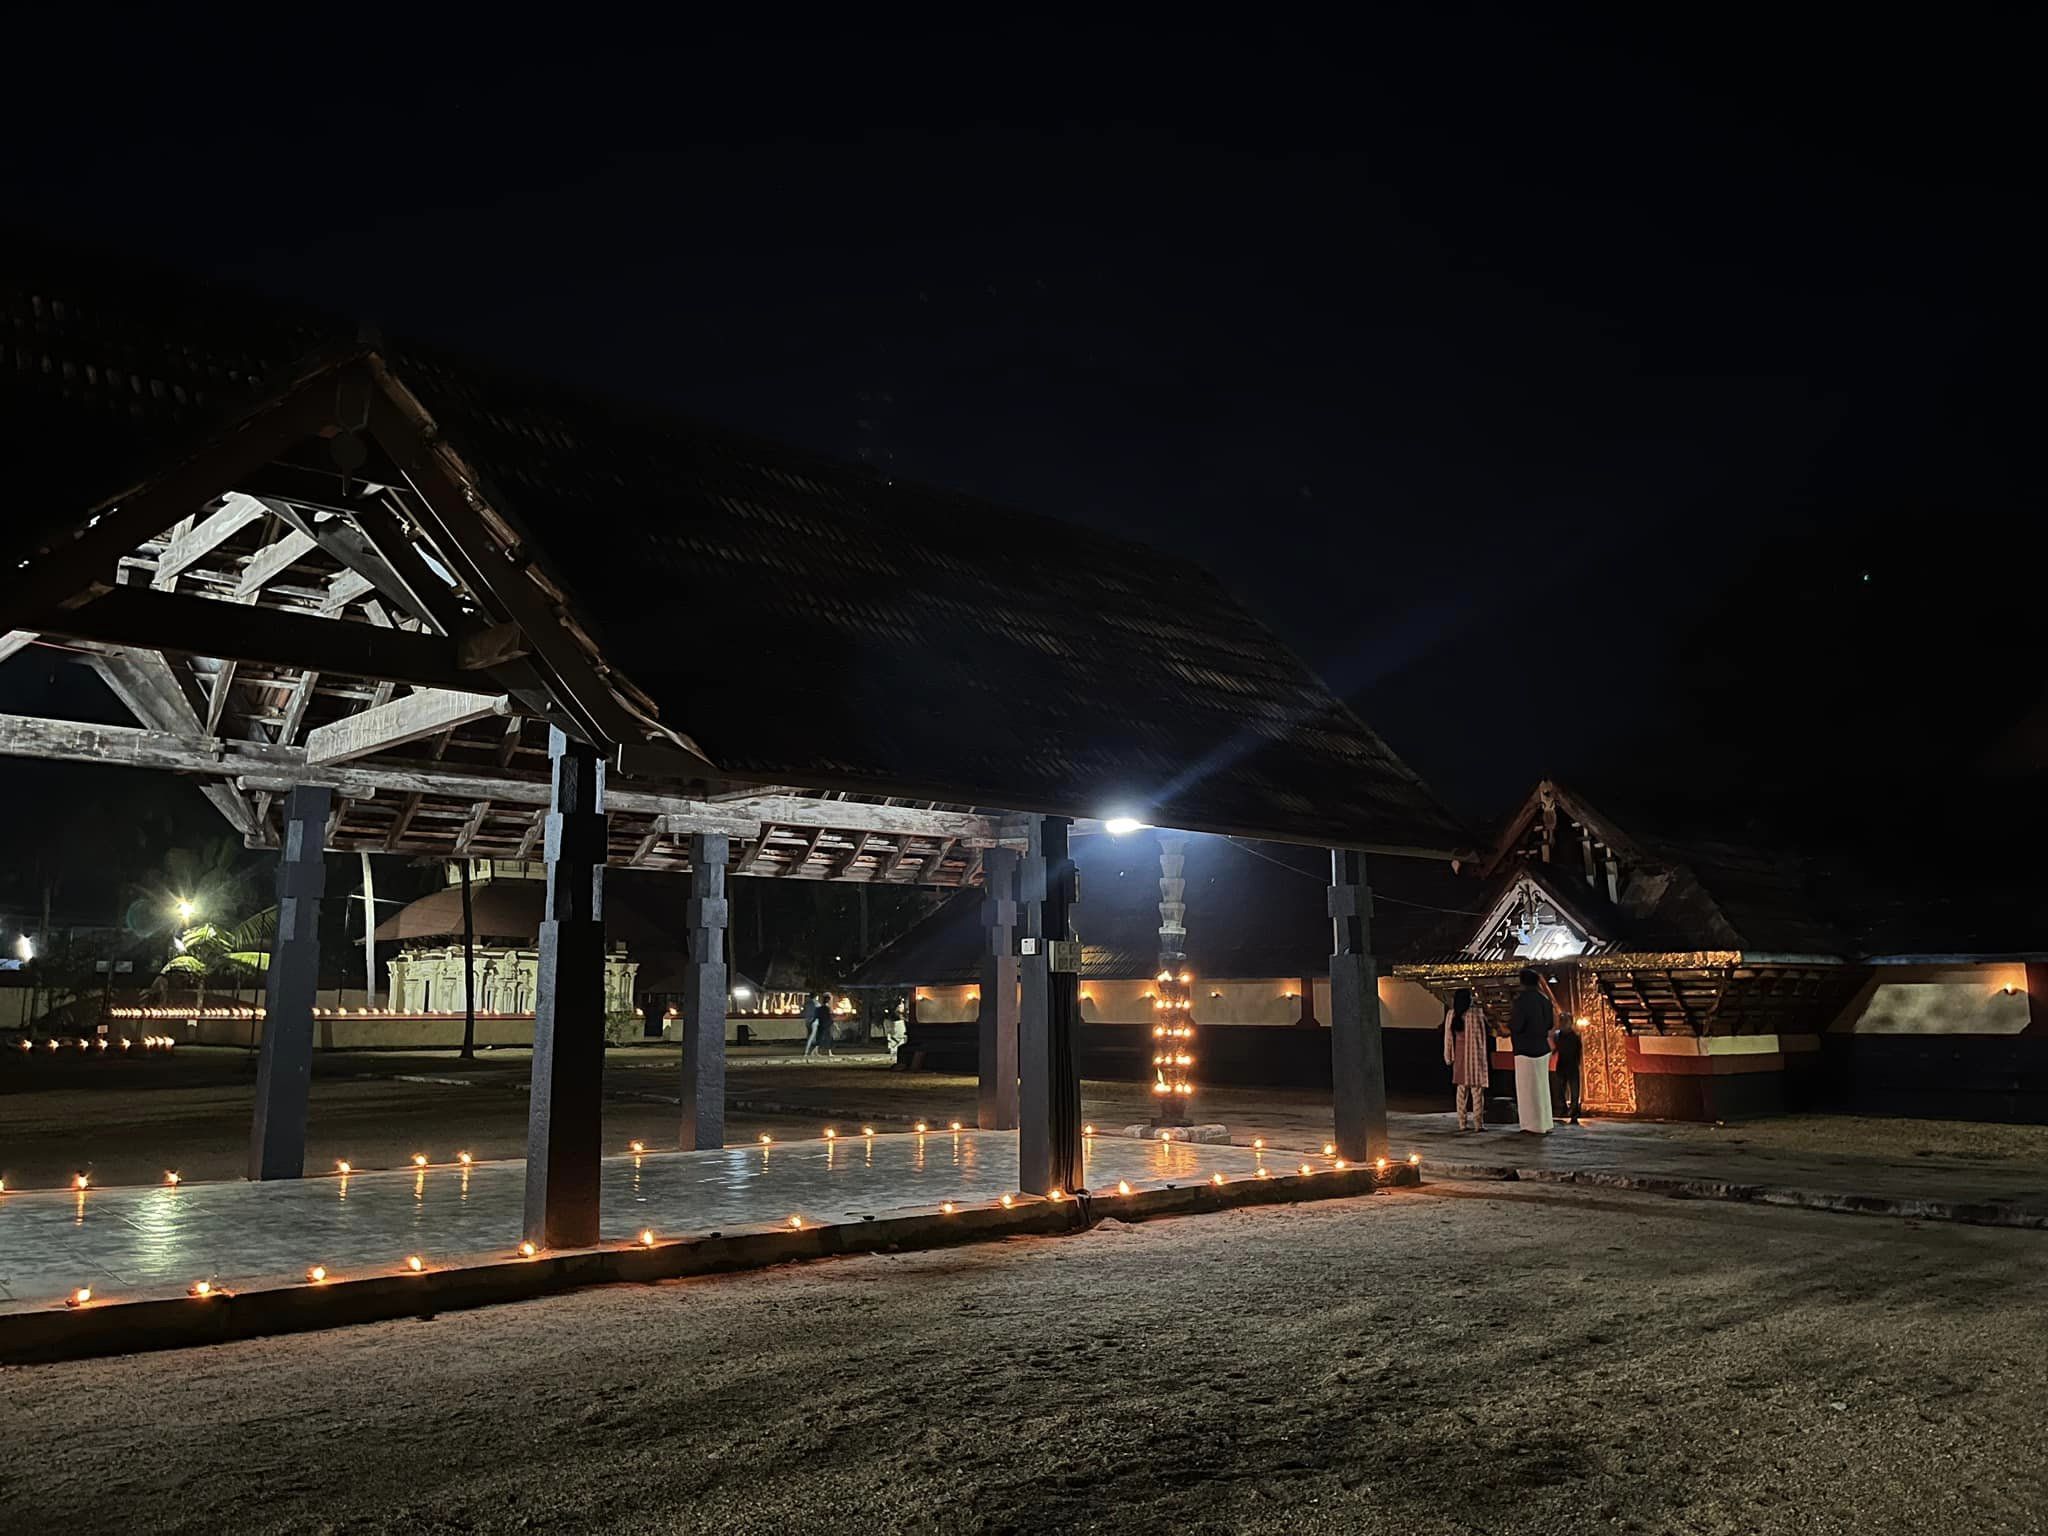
1464, 1358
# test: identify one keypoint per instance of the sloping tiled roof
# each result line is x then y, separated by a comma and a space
510, 911
802, 620
1257, 911
1693, 892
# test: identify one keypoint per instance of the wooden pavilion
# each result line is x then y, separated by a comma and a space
370, 596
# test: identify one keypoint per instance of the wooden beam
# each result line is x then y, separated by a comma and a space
795, 865
343, 590
532, 833
471, 827
936, 862
463, 530
852, 816
188, 549
295, 711
272, 561
217, 696
367, 538
257, 765
154, 694
198, 626
417, 715
852, 855
895, 859
752, 851
74, 566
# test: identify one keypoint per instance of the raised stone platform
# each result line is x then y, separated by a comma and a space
139, 1251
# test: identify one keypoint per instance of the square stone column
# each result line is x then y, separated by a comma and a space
565, 1112
996, 1104
1049, 963
704, 992
1358, 1075
284, 1062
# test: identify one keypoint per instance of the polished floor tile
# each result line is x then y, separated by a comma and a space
135, 1241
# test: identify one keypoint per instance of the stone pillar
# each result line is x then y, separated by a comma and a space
1049, 966
284, 1063
564, 1126
997, 1103
703, 1002
1358, 1076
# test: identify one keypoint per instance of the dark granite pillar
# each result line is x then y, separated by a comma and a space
1049, 964
284, 1064
704, 990
1358, 1077
996, 1105
564, 1127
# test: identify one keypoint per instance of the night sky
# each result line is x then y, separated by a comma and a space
1637, 401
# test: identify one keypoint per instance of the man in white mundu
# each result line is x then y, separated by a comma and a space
1533, 1028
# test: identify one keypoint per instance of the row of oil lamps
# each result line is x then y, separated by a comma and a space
147, 1042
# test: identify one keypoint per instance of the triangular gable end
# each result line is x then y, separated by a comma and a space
1537, 916
473, 601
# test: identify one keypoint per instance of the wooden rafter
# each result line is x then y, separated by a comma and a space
852, 855
142, 619
936, 862
647, 844
796, 864
428, 712
202, 539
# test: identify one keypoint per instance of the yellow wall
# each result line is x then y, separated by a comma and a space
1403, 1004
1939, 1000
1706, 1045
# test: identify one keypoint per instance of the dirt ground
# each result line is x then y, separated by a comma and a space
1463, 1358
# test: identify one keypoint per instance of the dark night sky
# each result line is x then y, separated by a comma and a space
1547, 383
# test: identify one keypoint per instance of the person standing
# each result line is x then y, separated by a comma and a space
896, 1034
1533, 1027
1570, 1056
1467, 1054
820, 1037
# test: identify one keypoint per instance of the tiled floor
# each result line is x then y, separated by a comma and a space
124, 1242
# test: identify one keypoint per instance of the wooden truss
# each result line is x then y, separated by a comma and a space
326, 596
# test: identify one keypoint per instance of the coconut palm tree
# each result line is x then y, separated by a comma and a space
208, 952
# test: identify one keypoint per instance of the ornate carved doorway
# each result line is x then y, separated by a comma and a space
1608, 1084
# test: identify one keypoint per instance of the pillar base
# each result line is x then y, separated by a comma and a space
1213, 1135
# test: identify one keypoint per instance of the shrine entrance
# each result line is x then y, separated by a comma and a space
1606, 1080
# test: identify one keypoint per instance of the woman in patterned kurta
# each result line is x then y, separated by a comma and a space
1468, 1053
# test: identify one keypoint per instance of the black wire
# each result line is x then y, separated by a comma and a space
1377, 896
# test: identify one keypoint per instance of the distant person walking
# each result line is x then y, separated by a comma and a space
896, 1034
1466, 1053
820, 1037
1571, 1054
1533, 1026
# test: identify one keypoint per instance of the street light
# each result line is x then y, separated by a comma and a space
186, 910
